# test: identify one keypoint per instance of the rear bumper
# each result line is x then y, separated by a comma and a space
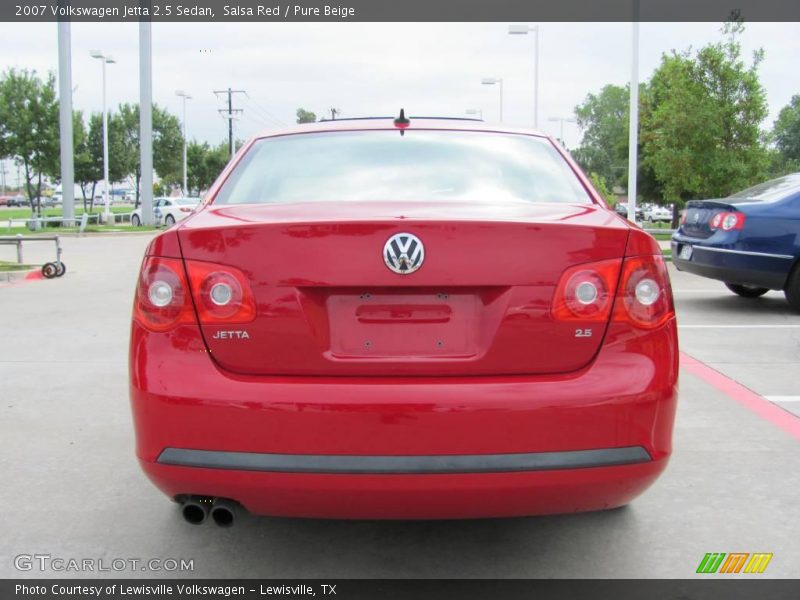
734, 266
392, 496
406, 447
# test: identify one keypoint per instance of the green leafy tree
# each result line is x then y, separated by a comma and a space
602, 188
216, 160
305, 116
205, 164
167, 145
786, 133
29, 128
88, 147
603, 118
197, 170
701, 121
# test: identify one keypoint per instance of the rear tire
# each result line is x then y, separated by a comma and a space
169, 221
135, 222
792, 289
746, 291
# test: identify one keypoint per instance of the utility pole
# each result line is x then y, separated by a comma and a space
334, 112
229, 113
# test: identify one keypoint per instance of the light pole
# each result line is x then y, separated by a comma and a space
105, 60
633, 116
493, 81
562, 120
185, 96
476, 111
525, 30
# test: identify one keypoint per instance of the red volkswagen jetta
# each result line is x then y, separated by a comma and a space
394, 318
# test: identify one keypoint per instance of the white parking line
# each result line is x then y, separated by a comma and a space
699, 291
783, 398
787, 326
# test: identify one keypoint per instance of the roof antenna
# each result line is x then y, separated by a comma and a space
402, 122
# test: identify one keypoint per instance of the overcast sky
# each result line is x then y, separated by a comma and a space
374, 69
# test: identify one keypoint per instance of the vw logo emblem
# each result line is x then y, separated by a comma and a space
403, 253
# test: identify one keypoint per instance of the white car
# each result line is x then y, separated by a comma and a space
658, 214
167, 211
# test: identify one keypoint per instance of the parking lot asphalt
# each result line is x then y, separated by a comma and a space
71, 487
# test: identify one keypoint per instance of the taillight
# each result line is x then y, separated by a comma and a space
683, 216
186, 209
222, 294
644, 297
727, 221
162, 296
585, 292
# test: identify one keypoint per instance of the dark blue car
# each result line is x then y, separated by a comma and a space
751, 240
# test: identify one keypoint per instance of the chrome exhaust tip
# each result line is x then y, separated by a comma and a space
223, 512
195, 511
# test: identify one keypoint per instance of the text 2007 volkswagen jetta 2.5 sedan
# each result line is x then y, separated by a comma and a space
402, 318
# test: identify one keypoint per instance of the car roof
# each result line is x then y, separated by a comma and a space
372, 123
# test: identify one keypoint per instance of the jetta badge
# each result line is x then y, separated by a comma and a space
403, 253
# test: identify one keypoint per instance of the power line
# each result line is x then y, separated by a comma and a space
230, 112
265, 111
260, 117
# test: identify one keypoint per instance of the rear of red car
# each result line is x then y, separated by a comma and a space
431, 322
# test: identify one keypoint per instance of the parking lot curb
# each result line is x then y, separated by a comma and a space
754, 402
12, 276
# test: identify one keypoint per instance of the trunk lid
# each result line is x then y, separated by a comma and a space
698, 217
328, 305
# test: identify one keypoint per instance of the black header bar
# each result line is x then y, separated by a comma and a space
399, 10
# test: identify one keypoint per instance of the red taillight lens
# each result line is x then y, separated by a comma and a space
683, 217
732, 220
186, 210
222, 294
162, 296
644, 297
585, 292
727, 221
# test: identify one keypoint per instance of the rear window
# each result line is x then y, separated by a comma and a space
420, 165
769, 191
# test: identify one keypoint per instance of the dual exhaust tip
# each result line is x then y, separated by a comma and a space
197, 509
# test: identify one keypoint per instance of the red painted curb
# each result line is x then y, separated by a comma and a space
756, 403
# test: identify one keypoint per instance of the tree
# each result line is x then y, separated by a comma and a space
205, 164
305, 116
87, 171
216, 160
167, 145
786, 132
602, 188
700, 121
603, 118
29, 128
196, 167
